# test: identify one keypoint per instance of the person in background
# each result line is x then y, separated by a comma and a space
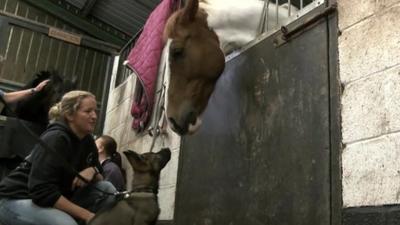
110, 160
44, 189
15, 96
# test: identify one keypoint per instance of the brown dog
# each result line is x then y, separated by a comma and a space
139, 206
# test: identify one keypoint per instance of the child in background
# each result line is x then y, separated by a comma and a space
110, 160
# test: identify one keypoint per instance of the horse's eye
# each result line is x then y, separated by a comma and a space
176, 53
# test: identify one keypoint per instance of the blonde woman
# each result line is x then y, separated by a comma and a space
43, 190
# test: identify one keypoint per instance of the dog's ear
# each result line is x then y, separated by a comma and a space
165, 154
136, 161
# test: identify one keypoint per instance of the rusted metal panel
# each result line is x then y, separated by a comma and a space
263, 153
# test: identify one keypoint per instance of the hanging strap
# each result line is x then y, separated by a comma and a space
158, 117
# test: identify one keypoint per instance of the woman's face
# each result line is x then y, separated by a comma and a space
83, 121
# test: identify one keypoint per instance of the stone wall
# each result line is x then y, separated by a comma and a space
118, 125
369, 65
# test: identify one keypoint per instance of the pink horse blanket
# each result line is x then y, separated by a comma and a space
144, 59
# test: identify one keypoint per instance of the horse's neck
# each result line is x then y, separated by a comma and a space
237, 22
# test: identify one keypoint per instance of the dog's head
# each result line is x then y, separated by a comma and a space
147, 167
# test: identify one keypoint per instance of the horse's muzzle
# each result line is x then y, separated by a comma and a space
190, 126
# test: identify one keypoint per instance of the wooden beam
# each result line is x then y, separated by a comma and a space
88, 7
76, 21
86, 41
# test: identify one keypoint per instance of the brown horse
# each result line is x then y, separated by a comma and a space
198, 36
196, 61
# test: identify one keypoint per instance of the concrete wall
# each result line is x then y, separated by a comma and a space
369, 64
118, 125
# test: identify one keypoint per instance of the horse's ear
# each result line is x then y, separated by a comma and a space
136, 161
74, 81
44, 74
190, 11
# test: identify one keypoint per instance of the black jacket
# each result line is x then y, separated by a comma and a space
43, 176
113, 174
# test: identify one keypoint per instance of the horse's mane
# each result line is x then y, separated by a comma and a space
35, 108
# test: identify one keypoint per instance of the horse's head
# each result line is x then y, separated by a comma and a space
195, 61
57, 86
35, 108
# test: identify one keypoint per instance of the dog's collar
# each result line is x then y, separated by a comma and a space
133, 194
138, 191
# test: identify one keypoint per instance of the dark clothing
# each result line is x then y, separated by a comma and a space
113, 174
25, 212
43, 176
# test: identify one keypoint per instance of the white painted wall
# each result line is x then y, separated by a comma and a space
118, 125
369, 65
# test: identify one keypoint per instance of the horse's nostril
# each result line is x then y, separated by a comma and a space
176, 127
172, 121
192, 118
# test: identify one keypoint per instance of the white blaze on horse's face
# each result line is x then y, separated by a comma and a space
192, 127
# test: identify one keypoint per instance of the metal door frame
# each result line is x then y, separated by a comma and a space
331, 20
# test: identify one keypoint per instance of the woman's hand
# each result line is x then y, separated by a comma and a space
41, 85
89, 217
74, 210
88, 174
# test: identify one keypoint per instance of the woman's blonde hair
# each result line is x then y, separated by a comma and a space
68, 105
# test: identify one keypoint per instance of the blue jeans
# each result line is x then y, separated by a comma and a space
25, 212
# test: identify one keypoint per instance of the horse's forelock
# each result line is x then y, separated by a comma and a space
173, 27
189, 11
